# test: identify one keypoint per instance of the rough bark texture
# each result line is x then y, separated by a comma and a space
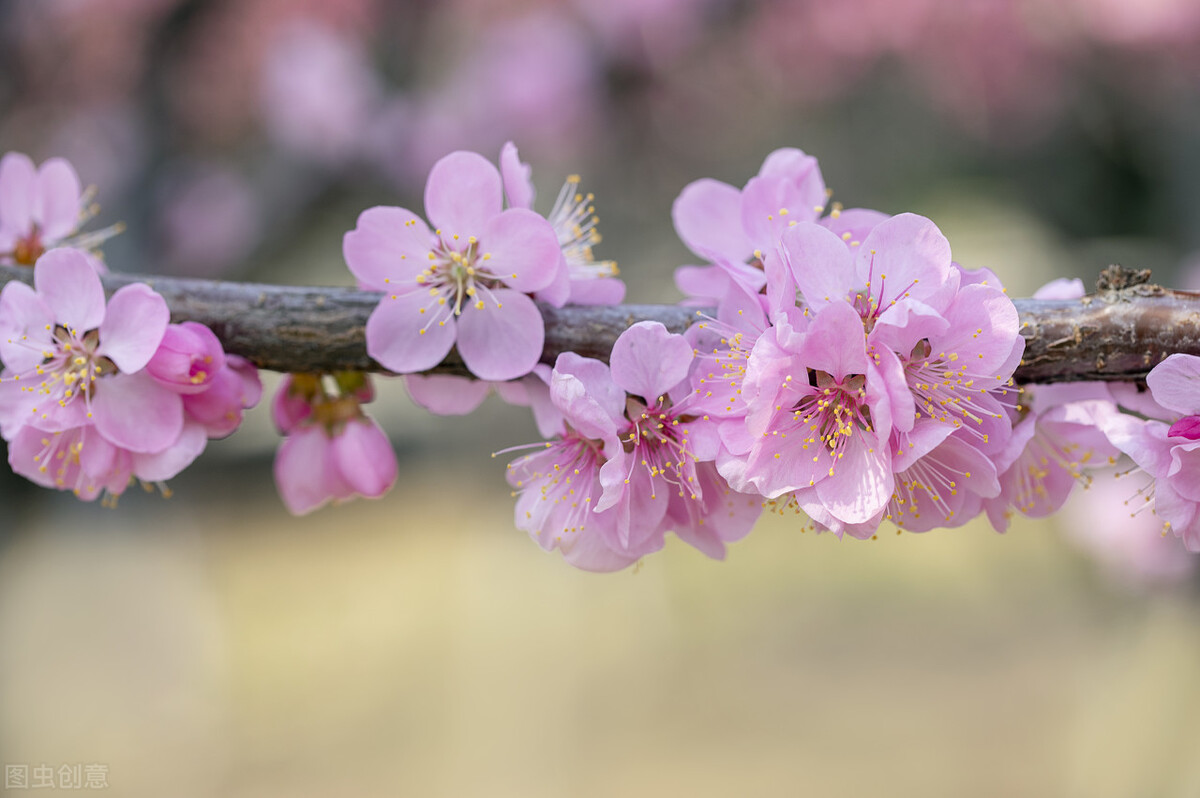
1119, 333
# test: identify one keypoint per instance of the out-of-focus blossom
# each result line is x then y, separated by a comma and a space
318, 93
210, 220
1128, 543
1168, 450
646, 32
332, 450
42, 208
465, 284
532, 79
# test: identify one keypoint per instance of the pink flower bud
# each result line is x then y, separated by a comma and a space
188, 359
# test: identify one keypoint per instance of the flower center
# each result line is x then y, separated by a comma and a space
29, 249
459, 275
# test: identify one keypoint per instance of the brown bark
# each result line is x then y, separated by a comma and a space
1117, 334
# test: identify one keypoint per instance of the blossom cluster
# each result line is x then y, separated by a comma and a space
841, 365
97, 393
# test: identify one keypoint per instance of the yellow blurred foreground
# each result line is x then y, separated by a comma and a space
420, 646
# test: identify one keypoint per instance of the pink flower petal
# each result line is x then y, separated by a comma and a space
862, 481
464, 190
520, 248
58, 193
394, 336
18, 189
71, 289
23, 321
708, 219
819, 262
136, 413
364, 457
387, 249
517, 177
906, 255
134, 326
301, 474
648, 361
1175, 384
445, 395
835, 342
504, 340
168, 463
595, 405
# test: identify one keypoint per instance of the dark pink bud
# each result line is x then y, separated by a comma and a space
1186, 427
188, 359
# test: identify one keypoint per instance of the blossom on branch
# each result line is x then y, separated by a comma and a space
466, 283
42, 208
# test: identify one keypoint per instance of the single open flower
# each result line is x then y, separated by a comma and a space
465, 283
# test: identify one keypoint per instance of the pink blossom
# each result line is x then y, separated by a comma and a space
632, 461
41, 208
85, 460
319, 91
1132, 547
581, 279
466, 283
333, 451
737, 229
188, 358
1166, 450
74, 360
875, 393
1056, 440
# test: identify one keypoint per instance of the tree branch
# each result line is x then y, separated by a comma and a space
1118, 334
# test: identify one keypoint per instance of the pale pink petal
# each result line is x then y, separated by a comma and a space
517, 177
558, 293
394, 336
853, 225
707, 283
835, 342
504, 340
1175, 384
18, 189
168, 463
862, 482
819, 262
583, 390
906, 255
387, 249
589, 552
708, 219
133, 327
1062, 288
58, 192
520, 248
136, 413
71, 289
648, 361
446, 395
301, 473
23, 321
364, 457
602, 291
799, 169
772, 204
464, 190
